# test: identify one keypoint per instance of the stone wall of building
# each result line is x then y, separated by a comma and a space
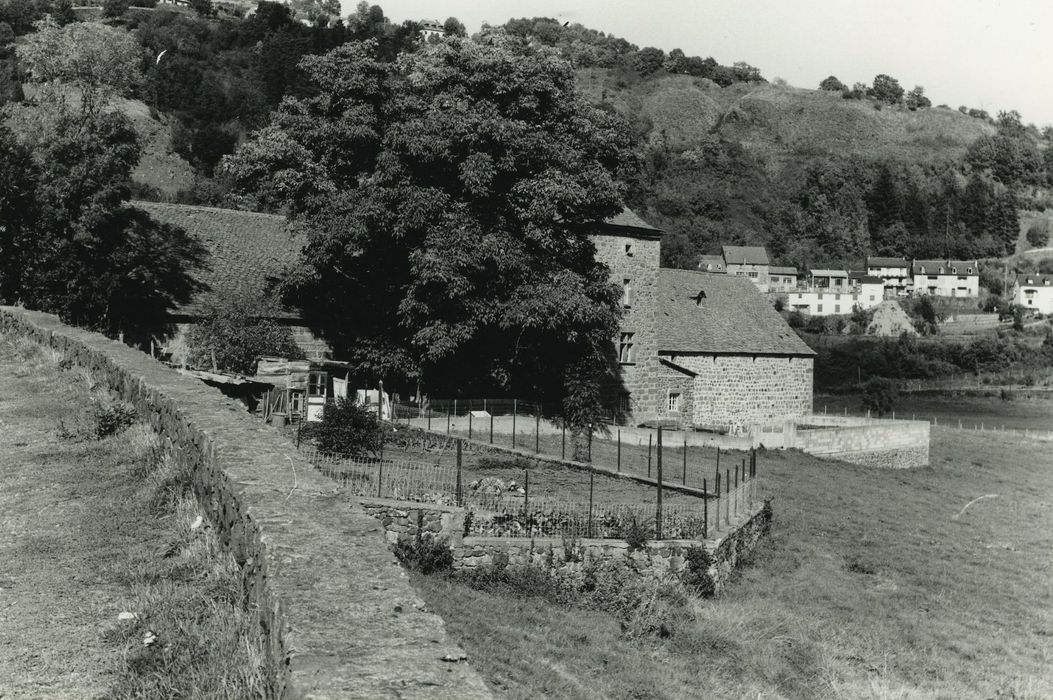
668, 381
338, 616
636, 259
745, 390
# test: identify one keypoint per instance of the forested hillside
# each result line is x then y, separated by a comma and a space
817, 175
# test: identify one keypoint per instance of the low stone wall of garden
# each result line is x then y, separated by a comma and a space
656, 559
338, 615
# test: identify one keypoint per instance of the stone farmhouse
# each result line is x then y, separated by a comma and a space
247, 253
947, 278
698, 349
1035, 292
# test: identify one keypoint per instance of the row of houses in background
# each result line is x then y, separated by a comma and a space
822, 292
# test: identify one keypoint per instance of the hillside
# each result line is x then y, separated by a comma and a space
783, 124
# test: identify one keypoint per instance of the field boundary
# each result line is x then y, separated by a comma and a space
314, 565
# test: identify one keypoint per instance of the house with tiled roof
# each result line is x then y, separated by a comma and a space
782, 278
711, 263
749, 261
894, 271
947, 278
248, 253
1035, 292
698, 348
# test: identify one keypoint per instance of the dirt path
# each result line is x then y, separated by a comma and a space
64, 540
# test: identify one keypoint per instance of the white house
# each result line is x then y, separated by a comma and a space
1035, 292
894, 271
834, 280
947, 278
826, 301
782, 279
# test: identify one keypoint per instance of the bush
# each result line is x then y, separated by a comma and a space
879, 395
1038, 235
113, 9
636, 534
424, 553
348, 430
696, 575
112, 418
492, 462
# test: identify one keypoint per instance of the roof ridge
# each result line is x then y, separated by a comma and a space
201, 207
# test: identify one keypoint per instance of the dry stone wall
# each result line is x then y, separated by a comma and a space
337, 613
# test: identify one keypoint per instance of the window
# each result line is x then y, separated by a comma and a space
954, 270
628, 250
933, 278
753, 275
624, 403
837, 308
316, 384
871, 297
969, 270
625, 348
627, 292
674, 401
921, 269
961, 279
819, 309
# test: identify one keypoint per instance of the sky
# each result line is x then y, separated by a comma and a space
991, 54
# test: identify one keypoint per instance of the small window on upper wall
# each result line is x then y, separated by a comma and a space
674, 401
629, 250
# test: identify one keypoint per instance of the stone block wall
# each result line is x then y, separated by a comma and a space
744, 390
896, 444
314, 566
641, 268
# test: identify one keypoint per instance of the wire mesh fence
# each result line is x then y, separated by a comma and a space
509, 510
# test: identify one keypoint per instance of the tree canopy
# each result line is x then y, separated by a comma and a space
448, 198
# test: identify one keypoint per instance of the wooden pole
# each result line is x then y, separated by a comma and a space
589, 453
459, 494
718, 492
727, 490
537, 432
515, 409
491, 428
380, 478
619, 450
658, 507
448, 410
526, 488
469, 422
718, 459
563, 449
380, 400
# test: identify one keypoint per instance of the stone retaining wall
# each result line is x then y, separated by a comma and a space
895, 444
337, 613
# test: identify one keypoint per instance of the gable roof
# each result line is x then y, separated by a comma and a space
828, 273
733, 318
932, 267
745, 254
247, 252
710, 262
886, 262
1034, 280
776, 270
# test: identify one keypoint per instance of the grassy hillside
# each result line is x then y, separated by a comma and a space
160, 167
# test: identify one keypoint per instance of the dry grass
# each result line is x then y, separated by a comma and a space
94, 526
875, 584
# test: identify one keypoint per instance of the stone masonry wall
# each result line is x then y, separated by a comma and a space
896, 444
744, 390
338, 615
641, 268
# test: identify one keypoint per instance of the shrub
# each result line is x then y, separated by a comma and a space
492, 462
424, 553
696, 574
1038, 235
348, 430
112, 418
636, 534
114, 8
879, 395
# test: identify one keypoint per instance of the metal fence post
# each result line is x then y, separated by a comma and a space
705, 510
515, 409
619, 450
716, 483
589, 457
648, 455
537, 433
592, 477
718, 459
469, 423
563, 449
684, 480
658, 507
491, 428
727, 489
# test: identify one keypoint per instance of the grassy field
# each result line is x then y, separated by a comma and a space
1020, 413
93, 524
875, 584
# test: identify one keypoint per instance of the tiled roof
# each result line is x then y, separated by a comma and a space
745, 255
886, 262
932, 267
775, 270
732, 318
828, 273
627, 218
710, 262
1034, 280
247, 252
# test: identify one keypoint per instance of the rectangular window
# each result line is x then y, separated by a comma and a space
316, 384
819, 309
674, 401
627, 292
753, 275
961, 279
628, 250
837, 308
624, 403
625, 348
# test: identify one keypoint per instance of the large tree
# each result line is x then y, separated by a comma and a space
448, 198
